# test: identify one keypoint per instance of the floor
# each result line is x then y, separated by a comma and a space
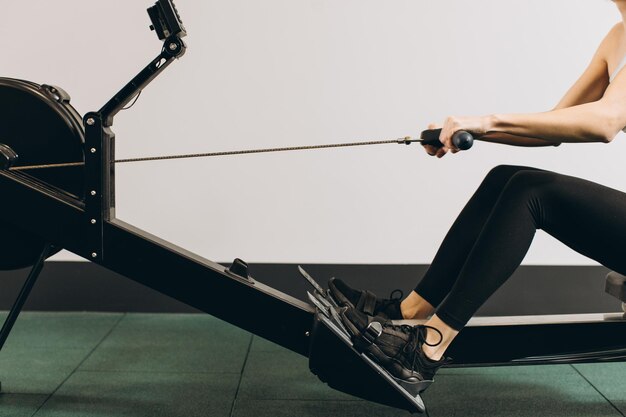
134, 365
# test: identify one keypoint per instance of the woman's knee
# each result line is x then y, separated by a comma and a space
500, 175
506, 171
532, 192
531, 180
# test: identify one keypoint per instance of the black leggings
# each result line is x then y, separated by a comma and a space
491, 236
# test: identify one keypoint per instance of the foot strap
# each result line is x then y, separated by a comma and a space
368, 336
367, 302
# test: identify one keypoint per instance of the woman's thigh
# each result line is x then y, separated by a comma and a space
588, 217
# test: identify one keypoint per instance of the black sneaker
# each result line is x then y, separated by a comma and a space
398, 349
366, 301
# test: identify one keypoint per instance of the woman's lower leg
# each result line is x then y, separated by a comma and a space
415, 307
507, 232
437, 344
587, 217
453, 252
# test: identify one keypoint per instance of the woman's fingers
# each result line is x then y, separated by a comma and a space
438, 152
430, 150
449, 127
447, 142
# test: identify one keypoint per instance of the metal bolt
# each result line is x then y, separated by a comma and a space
93, 221
93, 150
91, 121
173, 46
93, 193
94, 255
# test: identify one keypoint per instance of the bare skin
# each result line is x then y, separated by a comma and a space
593, 110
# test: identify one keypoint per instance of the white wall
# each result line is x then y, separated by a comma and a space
295, 72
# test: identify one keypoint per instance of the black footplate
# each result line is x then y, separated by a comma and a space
335, 360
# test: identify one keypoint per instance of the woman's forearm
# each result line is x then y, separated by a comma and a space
590, 122
513, 140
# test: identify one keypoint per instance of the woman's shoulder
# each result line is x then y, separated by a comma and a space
612, 42
617, 31
616, 34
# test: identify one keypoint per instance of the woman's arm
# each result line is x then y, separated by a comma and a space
589, 88
599, 121
592, 122
508, 139
593, 82
591, 111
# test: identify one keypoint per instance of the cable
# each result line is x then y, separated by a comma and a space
134, 101
406, 140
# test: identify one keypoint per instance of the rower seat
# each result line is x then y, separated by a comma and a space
616, 286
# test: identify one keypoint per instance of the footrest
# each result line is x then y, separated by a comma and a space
333, 359
616, 286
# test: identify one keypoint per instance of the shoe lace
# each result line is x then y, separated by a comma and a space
396, 291
417, 338
394, 298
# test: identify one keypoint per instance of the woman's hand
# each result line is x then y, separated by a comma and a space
431, 150
477, 126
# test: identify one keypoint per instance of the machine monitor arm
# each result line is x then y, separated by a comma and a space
169, 27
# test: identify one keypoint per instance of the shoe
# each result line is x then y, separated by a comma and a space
397, 348
366, 301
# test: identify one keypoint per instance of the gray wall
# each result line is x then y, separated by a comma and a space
295, 72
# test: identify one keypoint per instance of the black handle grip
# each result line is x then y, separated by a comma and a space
461, 139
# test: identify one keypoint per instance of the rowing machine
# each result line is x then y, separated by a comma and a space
73, 208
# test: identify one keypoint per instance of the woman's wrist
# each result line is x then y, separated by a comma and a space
491, 123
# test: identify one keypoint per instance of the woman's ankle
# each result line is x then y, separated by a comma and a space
414, 307
437, 342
